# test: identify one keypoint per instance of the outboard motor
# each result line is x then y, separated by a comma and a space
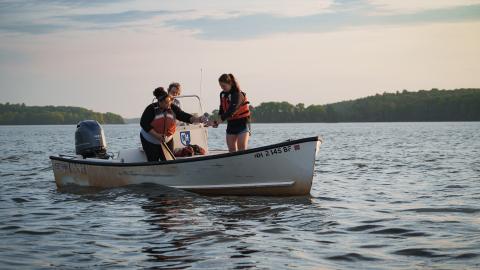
90, 140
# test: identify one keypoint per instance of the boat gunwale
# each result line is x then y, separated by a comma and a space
194, 159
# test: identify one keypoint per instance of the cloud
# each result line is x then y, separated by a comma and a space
29, 28
120, 17
38, 24
257, 25
37, 16
222, 20
411, 6
287, 8
34, 6
251, 26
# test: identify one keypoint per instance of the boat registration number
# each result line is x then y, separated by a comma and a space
70, 168
274, 151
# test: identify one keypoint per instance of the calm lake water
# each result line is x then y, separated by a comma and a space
385, 196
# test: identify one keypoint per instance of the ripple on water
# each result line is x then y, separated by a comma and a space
36, 232
456, 186
276, 230
378, 220
373, 246
19, 200
373, 183
465, 210
323, 198
419, 252
391, 231
13, 158
363, 228
28, 174
467, 256
351, 257
10, 227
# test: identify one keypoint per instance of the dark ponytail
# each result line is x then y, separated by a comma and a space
159, 93
230, 79
235, 85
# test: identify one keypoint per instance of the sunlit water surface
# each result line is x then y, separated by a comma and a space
385, 196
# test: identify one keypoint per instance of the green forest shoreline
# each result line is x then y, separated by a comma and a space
21, 114
422, 106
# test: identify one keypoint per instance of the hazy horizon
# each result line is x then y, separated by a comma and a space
209, 111
110, 55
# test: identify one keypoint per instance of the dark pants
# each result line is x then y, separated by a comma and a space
154, 151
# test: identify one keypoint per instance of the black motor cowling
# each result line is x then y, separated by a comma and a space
90, 140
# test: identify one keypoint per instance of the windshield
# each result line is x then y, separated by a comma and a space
190, 104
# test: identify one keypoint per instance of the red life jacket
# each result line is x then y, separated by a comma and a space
164, 122
243, 110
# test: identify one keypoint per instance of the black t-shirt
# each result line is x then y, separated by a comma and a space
149, 114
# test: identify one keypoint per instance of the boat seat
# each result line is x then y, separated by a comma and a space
217, 152
132, 155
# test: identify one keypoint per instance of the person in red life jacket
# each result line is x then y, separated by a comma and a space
158, 124
234, 108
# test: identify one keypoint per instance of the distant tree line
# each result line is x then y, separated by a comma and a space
424, 105
20, 114
431, 105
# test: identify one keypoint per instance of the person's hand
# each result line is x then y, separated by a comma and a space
197, 120
203, 119
157, 135
207, 124
212, 123
161, 138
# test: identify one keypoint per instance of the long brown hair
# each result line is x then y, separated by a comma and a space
230, 79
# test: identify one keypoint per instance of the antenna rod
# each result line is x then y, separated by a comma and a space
201, 81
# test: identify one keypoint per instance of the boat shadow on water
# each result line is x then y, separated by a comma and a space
196, 224
184, 225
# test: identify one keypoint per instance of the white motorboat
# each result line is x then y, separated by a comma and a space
281, 169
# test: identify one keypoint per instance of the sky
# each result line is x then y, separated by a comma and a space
109, 55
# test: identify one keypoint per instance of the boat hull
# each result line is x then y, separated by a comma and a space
283, 169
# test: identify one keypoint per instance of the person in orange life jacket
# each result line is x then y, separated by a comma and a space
158, 124
234, 108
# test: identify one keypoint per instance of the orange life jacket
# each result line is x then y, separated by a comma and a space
164, 122
243, 110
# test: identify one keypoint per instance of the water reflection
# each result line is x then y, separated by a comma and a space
192, 222
385, 196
